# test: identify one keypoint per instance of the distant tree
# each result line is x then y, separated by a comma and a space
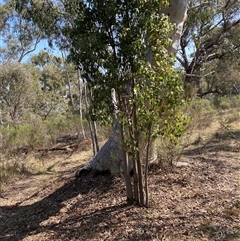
5, 12
52, 97
49, 16
17, 91
19, 34
225, 72
210, 36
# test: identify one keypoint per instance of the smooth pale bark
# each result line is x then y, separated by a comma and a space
80, 95
109, 157
68, 81
177, 12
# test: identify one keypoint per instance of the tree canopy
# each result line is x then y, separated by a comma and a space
111, 42
210, 36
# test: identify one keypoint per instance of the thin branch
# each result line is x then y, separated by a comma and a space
197, 75
23, 54
198, 6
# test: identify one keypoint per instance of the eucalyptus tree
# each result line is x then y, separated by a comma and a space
18, 90
52, 79
5, 13
224, 78
49, 16
19, 34
123, 48
210, 36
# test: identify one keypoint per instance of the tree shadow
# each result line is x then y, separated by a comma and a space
90, 225
218, 142
178, 228
19, 221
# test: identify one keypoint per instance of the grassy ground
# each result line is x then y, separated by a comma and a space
199, 201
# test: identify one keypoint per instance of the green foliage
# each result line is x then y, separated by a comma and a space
210, 47
201, 105
160, 90
17, 91
45, 15
225, 102
105, 37
111, 40
168, 151
201, 113
122, 46
52, 79
19, 34
37, 133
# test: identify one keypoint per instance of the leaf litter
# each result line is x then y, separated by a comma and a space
198, 201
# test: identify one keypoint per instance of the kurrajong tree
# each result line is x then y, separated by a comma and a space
123, 50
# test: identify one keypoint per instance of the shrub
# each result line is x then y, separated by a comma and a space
37, 133
201, 113
168, 152
225, 102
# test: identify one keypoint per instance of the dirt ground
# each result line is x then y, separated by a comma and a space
197, 201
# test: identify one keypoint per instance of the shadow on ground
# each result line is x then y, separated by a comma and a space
86, 209
218, 142
19, 221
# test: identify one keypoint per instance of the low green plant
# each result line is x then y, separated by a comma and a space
233, 116
201, 113
168, 152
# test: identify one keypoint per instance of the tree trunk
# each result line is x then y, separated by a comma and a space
177, 12
92, 126
125, 156
146, 166
95, 135
108, 157
68, 83
80, 94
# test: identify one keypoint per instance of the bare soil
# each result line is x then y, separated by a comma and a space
196, 200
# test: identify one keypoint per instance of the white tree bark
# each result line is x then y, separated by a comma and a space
177, 12
109, 156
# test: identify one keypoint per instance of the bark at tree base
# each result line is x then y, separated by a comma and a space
107, 159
